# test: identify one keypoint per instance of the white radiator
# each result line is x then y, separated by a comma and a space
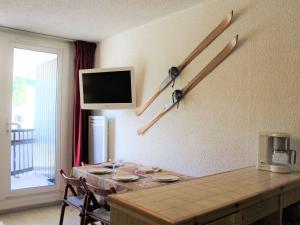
98, 130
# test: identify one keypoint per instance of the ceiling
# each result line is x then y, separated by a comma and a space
90, 20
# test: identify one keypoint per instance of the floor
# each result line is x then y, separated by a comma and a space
41, 216
29, 180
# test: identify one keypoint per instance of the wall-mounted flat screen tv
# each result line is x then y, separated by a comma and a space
108, 88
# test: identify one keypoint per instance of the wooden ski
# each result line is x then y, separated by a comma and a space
175, 71
178, 95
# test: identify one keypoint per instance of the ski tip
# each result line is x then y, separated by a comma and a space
235, 40
140, 132
230, 15
138, 112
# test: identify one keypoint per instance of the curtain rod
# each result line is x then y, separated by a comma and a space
36, 33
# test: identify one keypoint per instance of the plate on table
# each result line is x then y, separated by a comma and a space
125, 178
147, 169
165, 178
100, 170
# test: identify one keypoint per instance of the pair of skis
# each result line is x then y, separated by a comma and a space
174, 72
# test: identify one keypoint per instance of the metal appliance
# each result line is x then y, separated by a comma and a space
275, 154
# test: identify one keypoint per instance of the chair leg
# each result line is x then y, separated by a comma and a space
85, 220
62, 214
82, 219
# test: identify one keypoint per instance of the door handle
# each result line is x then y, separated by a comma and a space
295, 157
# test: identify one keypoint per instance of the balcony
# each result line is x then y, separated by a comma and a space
31, 162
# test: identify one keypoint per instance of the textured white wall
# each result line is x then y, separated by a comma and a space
216, 128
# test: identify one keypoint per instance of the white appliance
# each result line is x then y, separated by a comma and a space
98, 136
275, 154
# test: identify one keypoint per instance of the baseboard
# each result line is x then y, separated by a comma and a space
23, 208
29, 202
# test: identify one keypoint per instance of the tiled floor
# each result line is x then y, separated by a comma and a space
41, 216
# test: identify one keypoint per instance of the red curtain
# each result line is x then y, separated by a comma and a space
84, 59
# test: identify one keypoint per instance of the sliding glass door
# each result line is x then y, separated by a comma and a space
33, 125
36, 86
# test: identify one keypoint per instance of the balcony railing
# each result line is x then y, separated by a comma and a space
22, 142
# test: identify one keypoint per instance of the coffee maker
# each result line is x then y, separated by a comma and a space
275, 154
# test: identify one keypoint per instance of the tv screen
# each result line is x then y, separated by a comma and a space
107, 88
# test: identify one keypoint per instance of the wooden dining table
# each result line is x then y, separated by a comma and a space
145, 180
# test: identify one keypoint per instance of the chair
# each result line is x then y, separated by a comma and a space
76, 200
101, 210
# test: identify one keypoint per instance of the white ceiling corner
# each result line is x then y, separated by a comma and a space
90, 20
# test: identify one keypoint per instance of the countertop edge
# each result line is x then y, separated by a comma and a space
232, 206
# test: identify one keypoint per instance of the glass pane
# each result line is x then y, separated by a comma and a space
33, 127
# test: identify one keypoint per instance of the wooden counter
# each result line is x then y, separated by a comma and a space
239, 197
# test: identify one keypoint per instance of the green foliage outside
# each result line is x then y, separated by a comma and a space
20, 85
